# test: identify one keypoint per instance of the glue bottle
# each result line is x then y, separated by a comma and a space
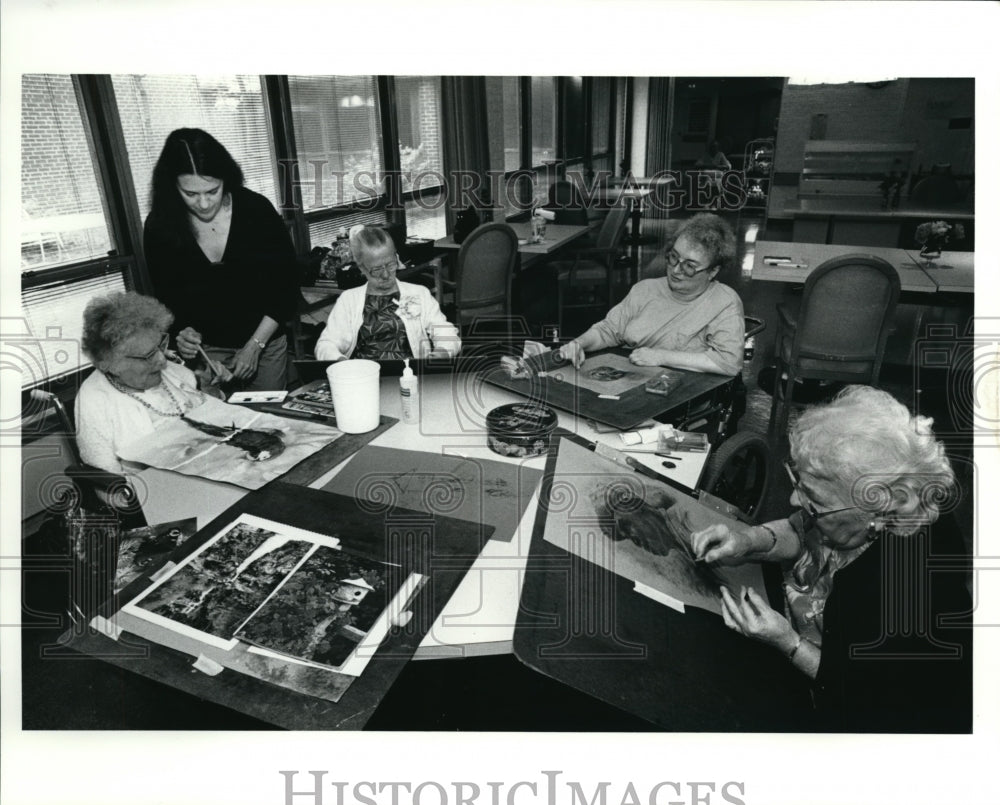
408, 394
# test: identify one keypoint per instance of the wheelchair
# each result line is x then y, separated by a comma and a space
737, 471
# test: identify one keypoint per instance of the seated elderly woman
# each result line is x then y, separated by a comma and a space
137, 383
385, 319
684, 320
883, 635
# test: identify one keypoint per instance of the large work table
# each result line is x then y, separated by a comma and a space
476, 624
952, 272
933, 292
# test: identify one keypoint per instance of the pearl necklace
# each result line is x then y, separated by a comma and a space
181, 408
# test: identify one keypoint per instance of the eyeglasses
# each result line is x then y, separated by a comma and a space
384, 270
161, 347
689, 267
811, 510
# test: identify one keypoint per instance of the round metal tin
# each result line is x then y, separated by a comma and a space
520, 429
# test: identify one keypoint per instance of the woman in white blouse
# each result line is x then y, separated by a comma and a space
385, 319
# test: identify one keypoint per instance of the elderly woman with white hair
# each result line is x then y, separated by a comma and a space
882, 634
138, 383
385, 319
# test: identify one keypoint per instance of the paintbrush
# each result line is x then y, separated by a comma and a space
221, 372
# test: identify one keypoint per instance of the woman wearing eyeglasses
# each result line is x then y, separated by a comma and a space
685, 320
136, 384
865, 612
221, 259
385, 319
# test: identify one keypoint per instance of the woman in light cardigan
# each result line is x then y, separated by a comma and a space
385, 319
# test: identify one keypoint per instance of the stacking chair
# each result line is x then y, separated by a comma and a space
592, 270
839, 330
566, 203
483, 273
97, 490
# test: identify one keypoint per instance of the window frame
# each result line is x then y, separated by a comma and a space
103, 128
278, 103
558, 167
106, 143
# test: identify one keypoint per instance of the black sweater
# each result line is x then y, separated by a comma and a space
225, 301
897, 638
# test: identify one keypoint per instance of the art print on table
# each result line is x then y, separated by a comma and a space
606, 374
142, 549
217, 588
336, 607
228, 443
636, 528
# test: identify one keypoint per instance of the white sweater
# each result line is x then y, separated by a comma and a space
426, 326
107, 419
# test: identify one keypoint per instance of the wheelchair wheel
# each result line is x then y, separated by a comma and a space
737, 472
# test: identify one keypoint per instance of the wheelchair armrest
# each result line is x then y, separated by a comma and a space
102, 486
753, 326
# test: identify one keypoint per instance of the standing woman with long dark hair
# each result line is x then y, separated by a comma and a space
221, 259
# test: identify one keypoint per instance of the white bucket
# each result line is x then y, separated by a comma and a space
355, 392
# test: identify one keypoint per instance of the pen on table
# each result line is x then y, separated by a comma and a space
650, 453
293, 414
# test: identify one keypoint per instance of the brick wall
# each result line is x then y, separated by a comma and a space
853, 112
910, 110
57, 176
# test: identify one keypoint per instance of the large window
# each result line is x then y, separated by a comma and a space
511, 123
65, 236
230, 108
543, 119
503, 98
62, 212
338, 140
601, 124
543, 134
421, 163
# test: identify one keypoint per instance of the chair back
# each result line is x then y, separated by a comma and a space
846, 311
613, 228
483, 273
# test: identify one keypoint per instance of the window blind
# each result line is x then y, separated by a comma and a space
62, 212
53, 314
600, 120
543, 119
338, 138
229, 107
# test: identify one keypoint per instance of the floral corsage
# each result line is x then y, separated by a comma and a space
408, 307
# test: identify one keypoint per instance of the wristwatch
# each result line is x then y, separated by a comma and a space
258, 342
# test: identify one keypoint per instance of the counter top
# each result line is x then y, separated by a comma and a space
872, 208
